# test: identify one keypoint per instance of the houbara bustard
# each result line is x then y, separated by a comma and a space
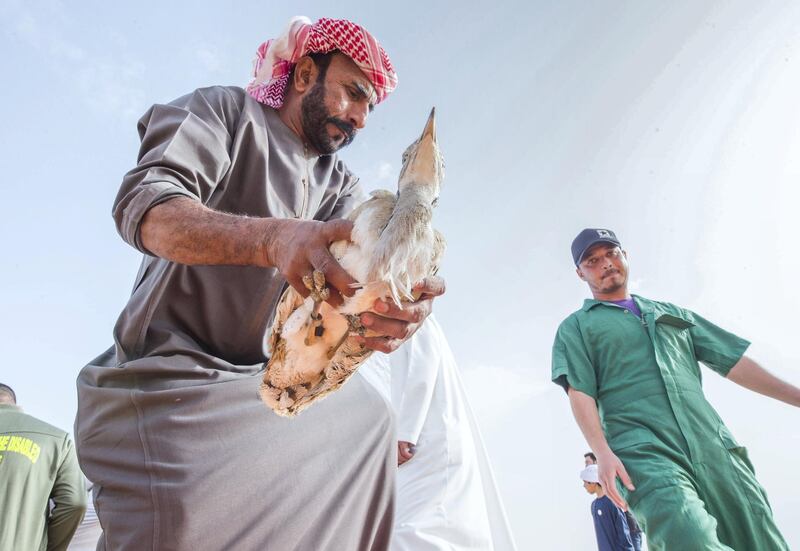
392, 247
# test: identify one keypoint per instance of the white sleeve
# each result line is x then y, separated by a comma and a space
415, 369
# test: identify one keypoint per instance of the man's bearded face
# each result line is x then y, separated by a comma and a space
605, 268
327, 134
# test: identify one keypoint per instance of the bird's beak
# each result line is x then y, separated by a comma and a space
430, 126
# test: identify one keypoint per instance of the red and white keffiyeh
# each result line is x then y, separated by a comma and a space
276, 58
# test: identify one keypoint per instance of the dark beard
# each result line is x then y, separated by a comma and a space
314, 117
612, 287
609, 287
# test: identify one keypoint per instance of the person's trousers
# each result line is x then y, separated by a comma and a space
713, 505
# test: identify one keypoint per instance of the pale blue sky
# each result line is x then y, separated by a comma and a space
675, 123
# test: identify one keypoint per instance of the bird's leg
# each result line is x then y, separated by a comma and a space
354, 325
319, 293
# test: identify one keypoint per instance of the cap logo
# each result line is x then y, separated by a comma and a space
604, 234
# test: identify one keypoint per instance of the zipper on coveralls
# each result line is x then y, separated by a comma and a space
627, 311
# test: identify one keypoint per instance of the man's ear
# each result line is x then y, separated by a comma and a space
580, 274
305, 74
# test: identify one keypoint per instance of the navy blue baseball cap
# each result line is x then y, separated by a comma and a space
589, 237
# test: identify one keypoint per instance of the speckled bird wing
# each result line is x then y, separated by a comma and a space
350, 355
346, 361
290, 301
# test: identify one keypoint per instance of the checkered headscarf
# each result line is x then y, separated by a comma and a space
276, 58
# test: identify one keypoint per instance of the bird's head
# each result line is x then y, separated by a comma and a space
423, 164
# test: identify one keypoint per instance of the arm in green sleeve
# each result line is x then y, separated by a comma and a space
571, 365
69, 497
715, 347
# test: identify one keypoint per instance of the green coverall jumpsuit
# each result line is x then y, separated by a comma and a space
695, 486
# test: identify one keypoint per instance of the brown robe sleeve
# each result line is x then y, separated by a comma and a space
184, 151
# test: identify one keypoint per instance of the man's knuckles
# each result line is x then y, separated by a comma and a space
422, 310
415, 314
383, 344
392, 345
433, 285
336, 230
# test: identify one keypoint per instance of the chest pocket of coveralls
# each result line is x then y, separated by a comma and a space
674, 321
675, 341
673, 331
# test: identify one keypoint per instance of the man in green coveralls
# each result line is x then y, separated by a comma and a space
630, 368
37, 465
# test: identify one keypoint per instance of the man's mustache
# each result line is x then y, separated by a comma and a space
346, 128
609, 273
